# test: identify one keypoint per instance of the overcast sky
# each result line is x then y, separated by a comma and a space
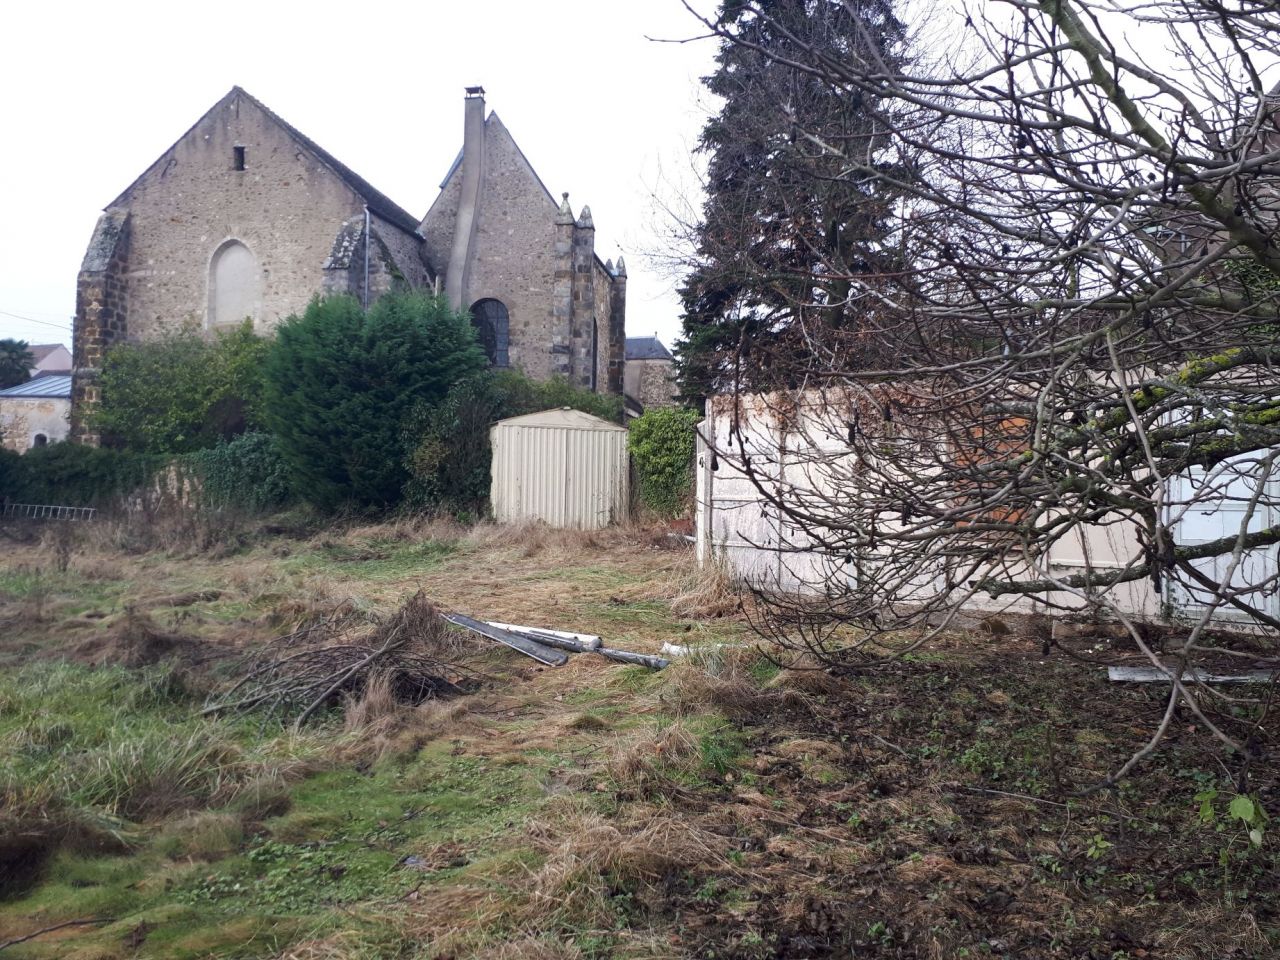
94, 92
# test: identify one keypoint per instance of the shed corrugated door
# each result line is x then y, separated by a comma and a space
561, 475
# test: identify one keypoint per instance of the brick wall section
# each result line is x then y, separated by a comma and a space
102, 312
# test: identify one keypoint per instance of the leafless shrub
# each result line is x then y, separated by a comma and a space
1053, 352
411, 656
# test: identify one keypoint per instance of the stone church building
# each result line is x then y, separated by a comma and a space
245, 216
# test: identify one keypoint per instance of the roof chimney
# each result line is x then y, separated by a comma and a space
464, 230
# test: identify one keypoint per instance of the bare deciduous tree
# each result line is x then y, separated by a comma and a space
1080, 409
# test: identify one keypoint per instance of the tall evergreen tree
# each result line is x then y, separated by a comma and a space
340, 382
788, 230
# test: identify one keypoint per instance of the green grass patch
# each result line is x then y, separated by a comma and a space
69, 593
373, 559
129, 745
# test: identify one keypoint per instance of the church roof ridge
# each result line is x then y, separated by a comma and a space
378, 202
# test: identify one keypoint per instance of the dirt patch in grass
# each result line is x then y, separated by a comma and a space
929, 812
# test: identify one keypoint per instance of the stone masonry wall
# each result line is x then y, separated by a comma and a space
584, 301
102, 309
404, 255
285, 206
615, 356
652, 382
22, 418
514, 256
603, 296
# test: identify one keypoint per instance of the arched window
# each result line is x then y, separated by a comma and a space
235, 285
493, 328
39, 440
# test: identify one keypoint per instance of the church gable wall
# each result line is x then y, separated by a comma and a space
284, 206
514, 255
405, 253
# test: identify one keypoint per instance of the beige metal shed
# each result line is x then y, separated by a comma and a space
563, 467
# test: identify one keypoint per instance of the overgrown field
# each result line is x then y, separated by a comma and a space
728, 807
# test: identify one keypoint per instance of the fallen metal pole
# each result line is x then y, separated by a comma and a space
563, 641
1156, 675
537, 649
590, 639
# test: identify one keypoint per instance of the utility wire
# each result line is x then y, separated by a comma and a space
46, 323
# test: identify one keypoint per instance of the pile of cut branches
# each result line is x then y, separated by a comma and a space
335, 656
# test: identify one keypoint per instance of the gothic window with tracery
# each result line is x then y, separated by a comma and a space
493, 326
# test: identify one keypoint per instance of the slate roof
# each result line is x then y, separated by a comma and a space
647, 348
56, 385
379, 203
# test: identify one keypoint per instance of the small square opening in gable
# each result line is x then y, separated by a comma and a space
238, 158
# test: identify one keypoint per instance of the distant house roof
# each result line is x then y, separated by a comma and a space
647, 348
42, 350
378, 202
56, 385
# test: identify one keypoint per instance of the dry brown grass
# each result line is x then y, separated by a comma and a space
692, 592
532, 948
528, 540
804, 675
652, 756
410, 528
379, 726
587, 854
133, 640
373, 705
722, 680
707, 593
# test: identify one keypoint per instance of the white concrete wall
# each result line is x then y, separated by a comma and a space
809, 460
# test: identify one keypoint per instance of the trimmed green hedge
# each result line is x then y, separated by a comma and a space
71, 474
662, 443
